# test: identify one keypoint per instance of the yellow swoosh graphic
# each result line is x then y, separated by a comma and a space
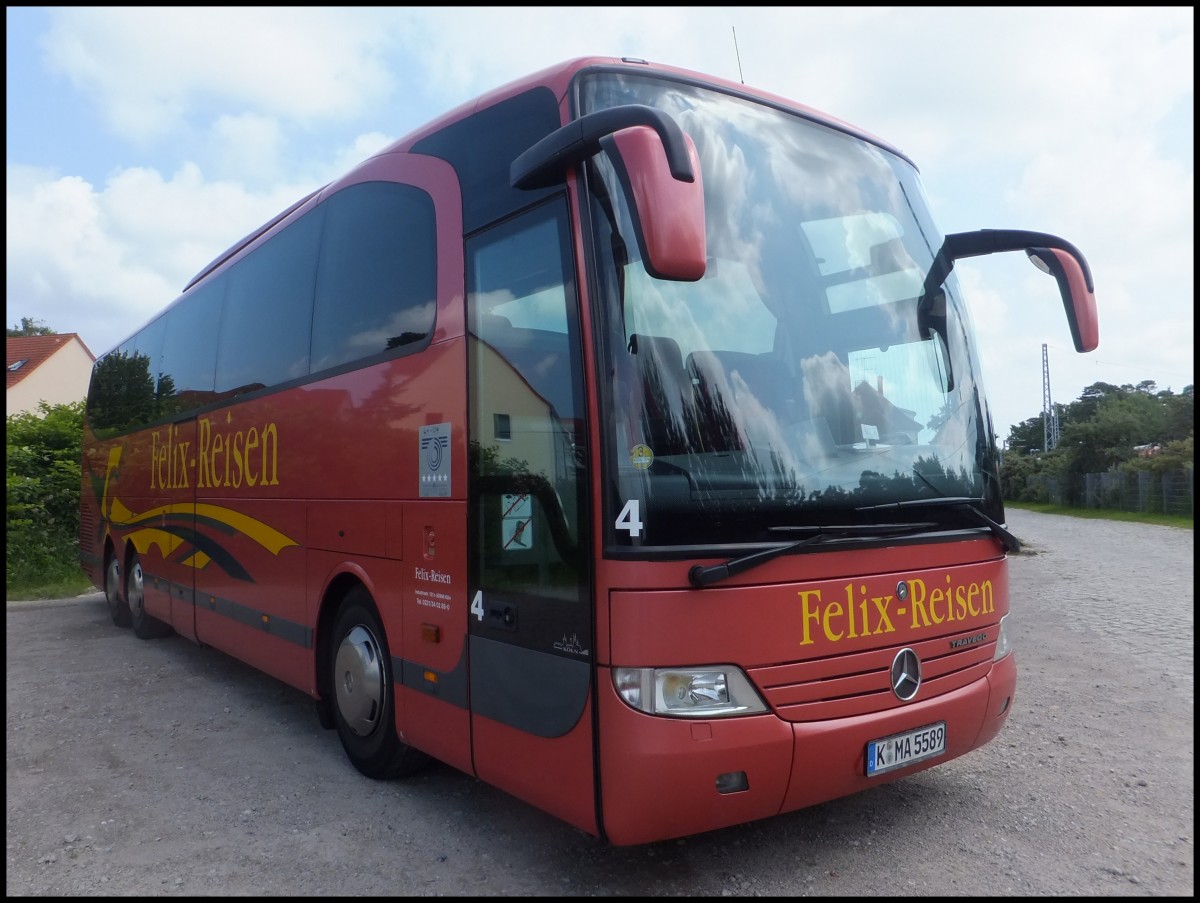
267, 537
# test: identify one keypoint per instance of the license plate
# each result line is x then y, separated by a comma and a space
904, 749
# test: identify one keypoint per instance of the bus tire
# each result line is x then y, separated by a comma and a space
363, 693
145, 626
118, 608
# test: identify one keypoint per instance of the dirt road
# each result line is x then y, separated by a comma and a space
161, 768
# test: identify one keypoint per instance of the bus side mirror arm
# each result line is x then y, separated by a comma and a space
658, 168
1049, 253
547, 161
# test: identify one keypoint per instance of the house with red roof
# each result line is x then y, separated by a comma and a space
50, 368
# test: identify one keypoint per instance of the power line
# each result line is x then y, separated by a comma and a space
1127, 366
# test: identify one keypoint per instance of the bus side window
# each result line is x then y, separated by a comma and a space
526, 410
377, 281
267, 309
190, 343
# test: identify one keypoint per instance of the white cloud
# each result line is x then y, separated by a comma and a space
248, 146
154, 70
68, 269
362, 147
102, 262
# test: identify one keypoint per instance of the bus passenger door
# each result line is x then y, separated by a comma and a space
530, 618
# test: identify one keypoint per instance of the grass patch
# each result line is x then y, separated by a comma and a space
65, 585
1133, 517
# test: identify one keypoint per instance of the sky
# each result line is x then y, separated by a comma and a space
142, 142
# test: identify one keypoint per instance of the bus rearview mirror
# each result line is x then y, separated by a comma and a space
1078, 298
668, 212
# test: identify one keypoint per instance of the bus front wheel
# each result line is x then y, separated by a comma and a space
118, 608
363, 693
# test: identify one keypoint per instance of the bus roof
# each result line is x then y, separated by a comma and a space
558, 79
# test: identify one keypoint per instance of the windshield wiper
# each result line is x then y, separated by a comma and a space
1010, 542
700, 575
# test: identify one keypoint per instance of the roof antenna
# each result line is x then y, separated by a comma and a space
739, 56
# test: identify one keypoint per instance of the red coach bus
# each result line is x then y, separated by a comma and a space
617, 438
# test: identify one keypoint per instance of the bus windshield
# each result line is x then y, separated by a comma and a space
804, 378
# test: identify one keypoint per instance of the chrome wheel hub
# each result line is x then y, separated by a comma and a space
358, 681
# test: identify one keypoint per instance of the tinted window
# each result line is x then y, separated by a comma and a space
148, 343
121, 396
268, 311
481, 149
374, 246
377, 283
526, 399
190, 346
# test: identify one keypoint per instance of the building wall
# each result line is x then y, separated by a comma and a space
60, 379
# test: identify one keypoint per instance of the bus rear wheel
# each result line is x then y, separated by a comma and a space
363, 692
145, 626
118, 608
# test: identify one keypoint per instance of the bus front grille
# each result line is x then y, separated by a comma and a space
859, 683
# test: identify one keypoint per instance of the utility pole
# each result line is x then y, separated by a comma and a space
1049, 416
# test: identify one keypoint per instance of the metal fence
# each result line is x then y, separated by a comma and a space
1170, 492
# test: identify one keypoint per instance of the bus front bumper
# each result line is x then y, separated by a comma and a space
668, 777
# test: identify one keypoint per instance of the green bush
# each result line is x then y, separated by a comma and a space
43, 450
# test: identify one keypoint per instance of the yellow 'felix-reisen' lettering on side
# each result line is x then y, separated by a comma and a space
168, 460
862, 615
230, 457
234, 456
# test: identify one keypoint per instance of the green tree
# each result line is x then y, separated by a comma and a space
30, 326
43, 473
1179, 454
1180, 414
1026, 437
1108, 428
1121, 422
1089, 400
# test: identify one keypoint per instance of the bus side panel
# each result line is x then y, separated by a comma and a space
553, 774
658, 776
249, 602
433, 634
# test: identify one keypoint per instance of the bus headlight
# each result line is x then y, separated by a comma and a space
1003, 643
712, 692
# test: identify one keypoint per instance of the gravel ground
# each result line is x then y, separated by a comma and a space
160, 768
